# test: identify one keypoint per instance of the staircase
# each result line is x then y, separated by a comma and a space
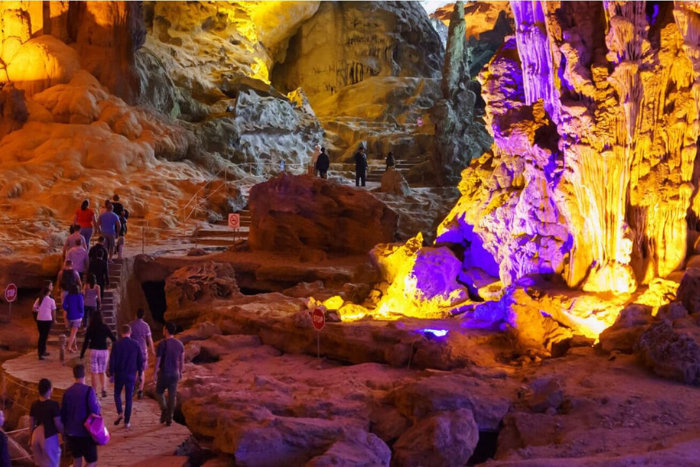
377, 172
109, 312
220, 234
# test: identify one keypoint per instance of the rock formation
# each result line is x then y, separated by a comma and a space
487, 25
459, 138
591, 172
292, 213
346, 43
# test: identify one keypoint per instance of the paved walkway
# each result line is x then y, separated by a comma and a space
147, 443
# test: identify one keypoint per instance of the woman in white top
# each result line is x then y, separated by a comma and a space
45, 309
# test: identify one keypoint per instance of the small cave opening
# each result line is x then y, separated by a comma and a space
155, 297
252, 291
486, 447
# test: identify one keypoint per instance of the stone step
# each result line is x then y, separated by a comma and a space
219, 241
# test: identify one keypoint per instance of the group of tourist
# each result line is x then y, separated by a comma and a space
321, 163
126, 365
111, 223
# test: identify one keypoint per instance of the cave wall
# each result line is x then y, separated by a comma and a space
345, 43
104, 35
591, 174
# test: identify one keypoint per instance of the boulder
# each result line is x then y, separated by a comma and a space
689, 290
199, 332
442, 440
629, 325
671, 353
301, 212
485, 400
368, 452
394, 183
672, 311
546, 393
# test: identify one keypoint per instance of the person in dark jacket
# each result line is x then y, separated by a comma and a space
96, 340
360, 166
99, 268
323, 163
125, 361
390, 161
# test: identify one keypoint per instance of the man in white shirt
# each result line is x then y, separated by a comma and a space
78, 255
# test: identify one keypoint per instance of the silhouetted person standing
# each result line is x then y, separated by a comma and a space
79, 401
323, 163
360, 166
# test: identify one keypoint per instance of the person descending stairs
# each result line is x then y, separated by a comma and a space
109, 311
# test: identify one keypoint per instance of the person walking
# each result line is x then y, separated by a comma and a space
91, 299
79, 401
44, 427
141, 333
100, 269
323, 163
360, 166
85, 219
72, 238
170, 361
45, 308
119, 248
67, 278
100, 245
109, 226
96, 340
74, 306
390, 161
78, 256
118, 207
125, 361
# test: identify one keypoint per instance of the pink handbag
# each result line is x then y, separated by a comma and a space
95, 425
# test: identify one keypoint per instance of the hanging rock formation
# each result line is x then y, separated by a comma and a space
591, 172
459, 138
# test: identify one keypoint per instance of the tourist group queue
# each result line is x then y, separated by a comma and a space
82, 281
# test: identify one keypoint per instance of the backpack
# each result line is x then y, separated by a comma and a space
67, 280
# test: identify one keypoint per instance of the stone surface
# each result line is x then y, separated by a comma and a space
688, 292
628, 327
291, 213
395, 183
670, 352
546, 394
351, 42
444, 439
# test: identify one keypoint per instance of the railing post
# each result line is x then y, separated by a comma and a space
143, 239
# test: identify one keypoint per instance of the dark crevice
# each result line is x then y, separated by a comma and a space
486, 447
155, 297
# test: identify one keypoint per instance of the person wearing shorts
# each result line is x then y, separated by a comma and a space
110, 227
78, 402
74, 307
96, 340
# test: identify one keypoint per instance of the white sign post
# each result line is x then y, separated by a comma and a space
419, 122
10, 296
234, 223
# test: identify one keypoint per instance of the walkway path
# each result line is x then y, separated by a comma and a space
146, 443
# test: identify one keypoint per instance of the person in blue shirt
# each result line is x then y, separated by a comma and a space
78, 402
110, 227
74, 306
125, 361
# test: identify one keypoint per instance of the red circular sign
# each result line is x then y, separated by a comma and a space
419, 122
318, 318
11, 293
